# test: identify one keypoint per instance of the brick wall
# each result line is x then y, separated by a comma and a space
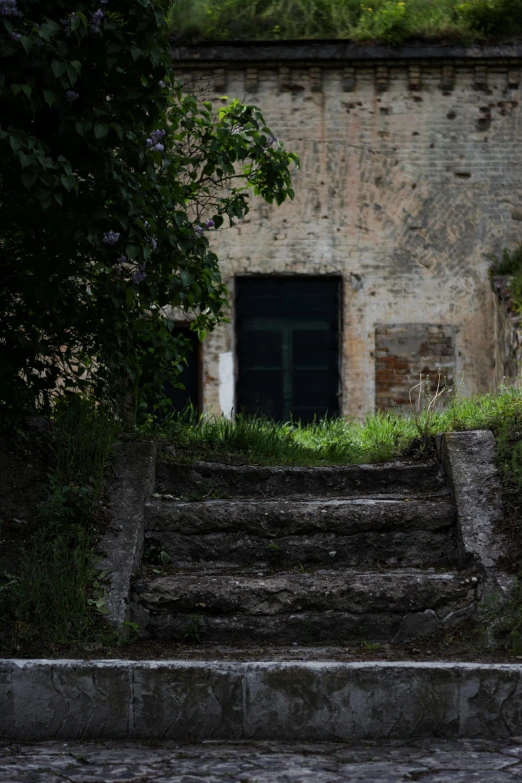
407, 354
411, 177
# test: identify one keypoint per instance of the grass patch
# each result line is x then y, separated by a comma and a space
392, 21
381, 437
56, 597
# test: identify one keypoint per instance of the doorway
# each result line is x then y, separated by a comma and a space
288, 347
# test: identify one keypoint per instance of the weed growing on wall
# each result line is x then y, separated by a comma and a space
511, 264
383, 20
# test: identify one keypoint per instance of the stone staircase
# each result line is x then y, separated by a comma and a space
301, 556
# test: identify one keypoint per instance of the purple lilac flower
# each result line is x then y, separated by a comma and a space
162, 84
71, 96
209, 224
96, 20
110, 238
158, 148
154, 243
8, 8
156, 135
146, 224
270, 142
121, 259
15, 36
140, 275
199, 231
148, 142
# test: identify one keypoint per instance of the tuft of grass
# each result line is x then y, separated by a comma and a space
383, 436
392, 21
57, 595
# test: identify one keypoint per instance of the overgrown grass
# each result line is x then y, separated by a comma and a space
385, 20
56, 596
382, 436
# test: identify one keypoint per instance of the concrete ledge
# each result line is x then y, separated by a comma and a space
122, 545
185, 700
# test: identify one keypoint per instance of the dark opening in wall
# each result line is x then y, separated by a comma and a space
288, 346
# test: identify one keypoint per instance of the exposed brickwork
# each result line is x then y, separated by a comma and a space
411, 177
410, 353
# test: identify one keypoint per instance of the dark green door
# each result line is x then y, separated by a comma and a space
288, 346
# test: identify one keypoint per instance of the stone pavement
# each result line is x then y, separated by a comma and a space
429, 761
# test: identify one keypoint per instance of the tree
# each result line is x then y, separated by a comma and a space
111, 181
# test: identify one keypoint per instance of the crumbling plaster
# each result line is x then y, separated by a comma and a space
405, 190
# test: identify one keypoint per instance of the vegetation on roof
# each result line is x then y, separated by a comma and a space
389, 21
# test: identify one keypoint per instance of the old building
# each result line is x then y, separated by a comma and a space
411, 178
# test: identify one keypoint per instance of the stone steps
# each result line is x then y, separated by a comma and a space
289, 607
289, 555
345, 532
205, 480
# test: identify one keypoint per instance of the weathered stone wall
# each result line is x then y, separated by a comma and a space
410, 179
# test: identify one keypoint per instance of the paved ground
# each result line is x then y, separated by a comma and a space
428, 761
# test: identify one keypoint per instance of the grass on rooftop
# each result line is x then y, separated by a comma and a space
390, 21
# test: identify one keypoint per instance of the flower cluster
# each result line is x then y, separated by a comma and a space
121, 259
140, 275
154, 243
66, 23
96, 20
270, 142
110, 238
153, 142
15, 36
200, 230
71, 96
8, 8
162, 84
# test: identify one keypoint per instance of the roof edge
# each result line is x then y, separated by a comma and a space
317, 50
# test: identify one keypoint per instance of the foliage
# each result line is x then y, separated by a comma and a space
57, 593
111, 182
511, 264
384, 20
382, 436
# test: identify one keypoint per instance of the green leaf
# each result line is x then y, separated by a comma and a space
68, 181
186, 278
26, 42
75, 22
16, 88
132, 251
100, 130
58, 68
129, 296
29, 177
72, 73
49, 97
15, 143
136, 52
